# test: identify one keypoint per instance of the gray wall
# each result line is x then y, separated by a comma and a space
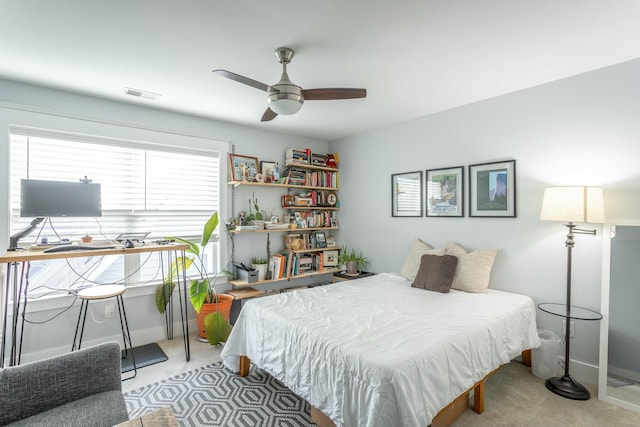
582, 130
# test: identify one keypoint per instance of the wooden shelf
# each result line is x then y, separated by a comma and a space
249, 292
302, 251
269, 184
293, 230
312, 208
244, 284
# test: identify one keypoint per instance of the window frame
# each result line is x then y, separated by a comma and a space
106, 137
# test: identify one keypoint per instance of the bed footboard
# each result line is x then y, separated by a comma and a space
444, 418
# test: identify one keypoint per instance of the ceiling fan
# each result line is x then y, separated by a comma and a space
286, 97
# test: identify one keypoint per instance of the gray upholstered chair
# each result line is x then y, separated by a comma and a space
81, 388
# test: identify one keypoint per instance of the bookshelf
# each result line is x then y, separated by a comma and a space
310, 206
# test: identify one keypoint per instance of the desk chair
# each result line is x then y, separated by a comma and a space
99, 293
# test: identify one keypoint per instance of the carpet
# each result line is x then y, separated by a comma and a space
516, 398
212, 396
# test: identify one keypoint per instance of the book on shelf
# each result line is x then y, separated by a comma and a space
299, 156
318, 159
309, 178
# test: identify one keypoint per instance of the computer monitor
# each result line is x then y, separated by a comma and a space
41, 198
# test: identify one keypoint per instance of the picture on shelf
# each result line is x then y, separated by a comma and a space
267, 170
243, 168
330, 258
288, 200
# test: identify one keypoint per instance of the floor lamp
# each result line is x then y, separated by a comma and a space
571, 205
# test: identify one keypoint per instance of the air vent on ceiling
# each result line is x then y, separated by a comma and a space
141, 93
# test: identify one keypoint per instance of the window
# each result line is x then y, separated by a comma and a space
145, 188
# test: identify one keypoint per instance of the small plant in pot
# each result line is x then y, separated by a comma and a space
352, 261
257, 218
212, 309
260, 264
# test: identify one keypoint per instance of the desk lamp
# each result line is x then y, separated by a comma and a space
571, 204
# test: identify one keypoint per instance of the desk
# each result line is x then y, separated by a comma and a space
17, 283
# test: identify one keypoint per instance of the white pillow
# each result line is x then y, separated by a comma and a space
411, 263
474, 268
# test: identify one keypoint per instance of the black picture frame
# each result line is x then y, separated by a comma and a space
492, 189
266, 169
444, 192
406, 194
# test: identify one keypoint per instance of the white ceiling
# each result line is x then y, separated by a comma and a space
414, 57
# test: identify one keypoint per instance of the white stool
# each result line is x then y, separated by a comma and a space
98, 293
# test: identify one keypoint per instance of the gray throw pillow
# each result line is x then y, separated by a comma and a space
436, 273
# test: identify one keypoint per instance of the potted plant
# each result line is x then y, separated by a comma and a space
256, 219
260, 264
353, 262
212, 309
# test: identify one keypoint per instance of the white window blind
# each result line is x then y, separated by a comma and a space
144, 189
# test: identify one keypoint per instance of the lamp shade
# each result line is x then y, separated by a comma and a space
573, 204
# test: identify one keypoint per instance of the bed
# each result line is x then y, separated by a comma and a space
376, 351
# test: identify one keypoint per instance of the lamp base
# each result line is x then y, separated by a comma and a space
566, 386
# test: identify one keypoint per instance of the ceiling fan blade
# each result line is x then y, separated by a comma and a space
242, 79
269, 115
327, 94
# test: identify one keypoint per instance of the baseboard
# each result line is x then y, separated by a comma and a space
583, 372
624, 373
138, 337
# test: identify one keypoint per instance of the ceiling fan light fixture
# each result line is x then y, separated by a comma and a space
285, 104
285, 97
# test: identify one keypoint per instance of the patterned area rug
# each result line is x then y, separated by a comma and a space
212, 396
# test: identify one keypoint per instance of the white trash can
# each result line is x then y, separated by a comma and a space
545, 357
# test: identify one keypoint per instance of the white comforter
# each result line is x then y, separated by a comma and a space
376, 352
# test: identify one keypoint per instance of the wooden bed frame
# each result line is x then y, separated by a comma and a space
444, 418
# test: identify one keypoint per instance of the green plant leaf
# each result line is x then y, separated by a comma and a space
198, 293
217, 328
209, 228
176, 268
163, 295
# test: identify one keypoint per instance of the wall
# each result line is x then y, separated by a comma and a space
36, 106
582, 130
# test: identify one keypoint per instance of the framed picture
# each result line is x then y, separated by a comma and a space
406, 194
492, 189
243, 168
445, 192
321, 240
287, 200
266, 169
